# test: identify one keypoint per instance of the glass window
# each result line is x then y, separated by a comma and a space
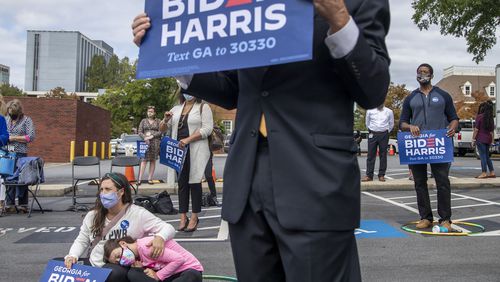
228, 126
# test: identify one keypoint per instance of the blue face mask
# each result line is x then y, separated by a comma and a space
109, 200
188, 97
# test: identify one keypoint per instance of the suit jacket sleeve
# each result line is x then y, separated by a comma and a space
367, 64
219, 88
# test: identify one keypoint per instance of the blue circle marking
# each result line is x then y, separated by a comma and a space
124, 224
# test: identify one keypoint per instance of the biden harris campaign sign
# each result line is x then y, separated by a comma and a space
197, 36
432, 146
171, 155
57, 272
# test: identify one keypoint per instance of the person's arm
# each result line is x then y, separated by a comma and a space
207, 125
367, 120
166, 122
404, 119
82, 241
173, 261
158, 134
366, 64
4, 133
29, 135
140, 130
162, 231
391, 120
451, 115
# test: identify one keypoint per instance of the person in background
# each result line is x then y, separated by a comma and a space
190, 123
4, 139
380, 122
430, 108
115, 198
358, 138
176, 264
149, 130
482, 138
211, 182
21, 132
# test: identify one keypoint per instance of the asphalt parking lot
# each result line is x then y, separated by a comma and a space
387, 253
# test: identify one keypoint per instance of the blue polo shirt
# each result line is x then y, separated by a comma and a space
434, 111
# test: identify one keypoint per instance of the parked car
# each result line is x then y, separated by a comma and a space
462, 143
128, 141
114, 144
226, 143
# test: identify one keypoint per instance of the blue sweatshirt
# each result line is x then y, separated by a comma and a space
434, 111
4, 134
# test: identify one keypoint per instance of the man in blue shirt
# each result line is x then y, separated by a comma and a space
430, 108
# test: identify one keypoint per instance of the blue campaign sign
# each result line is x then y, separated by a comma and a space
188, 37
142, 147
377, 229
171, 155
56, 272
432, 146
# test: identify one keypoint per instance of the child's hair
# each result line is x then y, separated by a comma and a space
112, 244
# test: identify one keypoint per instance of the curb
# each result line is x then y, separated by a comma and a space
59, 190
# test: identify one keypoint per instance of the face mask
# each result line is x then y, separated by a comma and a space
127, 258
13, 117
423, 79
188, 97
109, 200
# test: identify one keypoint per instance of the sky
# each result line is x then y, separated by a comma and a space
110, 21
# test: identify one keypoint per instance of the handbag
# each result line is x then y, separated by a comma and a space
7, 163
216, 138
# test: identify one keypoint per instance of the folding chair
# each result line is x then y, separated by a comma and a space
29, 172
83, 162
128, 161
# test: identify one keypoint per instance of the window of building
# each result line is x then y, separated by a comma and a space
467, 89
228, 126
491, 89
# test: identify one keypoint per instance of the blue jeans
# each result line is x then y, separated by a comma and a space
19, 191
484, 154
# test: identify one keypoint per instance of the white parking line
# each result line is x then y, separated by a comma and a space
478, 217
435, 201
476, 199
201, 217
468, 206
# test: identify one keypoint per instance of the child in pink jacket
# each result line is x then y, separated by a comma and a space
175, 264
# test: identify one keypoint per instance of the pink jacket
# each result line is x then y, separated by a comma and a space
174, 259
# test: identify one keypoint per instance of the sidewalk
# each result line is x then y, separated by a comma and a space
375, 185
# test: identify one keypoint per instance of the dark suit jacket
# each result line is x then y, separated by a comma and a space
309, 115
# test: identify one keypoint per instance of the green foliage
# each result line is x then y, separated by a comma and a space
60, 93
113, 74
10, 90
95, 77
394, 101
128, 104
475, 20
359, 119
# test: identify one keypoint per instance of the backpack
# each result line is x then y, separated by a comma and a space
216, 138
145, 202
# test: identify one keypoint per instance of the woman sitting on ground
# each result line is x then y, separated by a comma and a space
116, 216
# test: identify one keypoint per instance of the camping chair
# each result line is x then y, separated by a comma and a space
128, 161
83, 162
29, 172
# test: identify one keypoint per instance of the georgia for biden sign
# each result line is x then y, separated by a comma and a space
197, 36
432, 146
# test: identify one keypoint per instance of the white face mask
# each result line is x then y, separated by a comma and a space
188, 97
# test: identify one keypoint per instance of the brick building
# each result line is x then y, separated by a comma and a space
227, 117
462, 81
60, 121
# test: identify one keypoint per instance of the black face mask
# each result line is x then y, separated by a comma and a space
13, 117
423, 79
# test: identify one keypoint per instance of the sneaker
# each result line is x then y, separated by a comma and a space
447, 224
423, 224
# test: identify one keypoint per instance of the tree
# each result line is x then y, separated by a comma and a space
394, 101
10, 90
469, 110
475, 20
95, 77
128, 103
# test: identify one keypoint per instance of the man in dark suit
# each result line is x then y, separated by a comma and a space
291, 183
